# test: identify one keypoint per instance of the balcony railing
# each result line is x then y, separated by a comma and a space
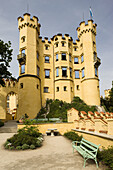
97, 61
21, 57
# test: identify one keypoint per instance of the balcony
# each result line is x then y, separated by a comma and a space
97, 62
21, 58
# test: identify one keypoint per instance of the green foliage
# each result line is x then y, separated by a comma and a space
106, 156
25, 137
25, 146
32, 147
5, 59
18, 147
11, 147
1, 124
73, 136
58, 109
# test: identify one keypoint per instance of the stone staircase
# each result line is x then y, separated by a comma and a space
9, 127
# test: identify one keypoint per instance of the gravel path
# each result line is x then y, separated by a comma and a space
55, 154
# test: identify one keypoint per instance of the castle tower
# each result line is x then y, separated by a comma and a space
29, 83
63, 67
89, 63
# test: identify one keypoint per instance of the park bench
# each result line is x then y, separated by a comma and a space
87, 149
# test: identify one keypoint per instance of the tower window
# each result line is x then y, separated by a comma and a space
83, 74
46, 47
75, 49
57, 72
82, 59
77, 74
22, 68
75, 60
23, 39
71, 89
46, 89
63, 56
37, 56
56, 57
46, 59
64, 71
37, 86
65, 88
96, 71
23, 51
70, 57
38, 69
57, 89
47, 73
77, 87
70, 72
63, 44
56, 44
21, 85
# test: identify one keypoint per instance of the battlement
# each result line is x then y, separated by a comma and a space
10, 83
83, 28
28, 21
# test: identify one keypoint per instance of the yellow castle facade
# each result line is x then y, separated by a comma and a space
57, 68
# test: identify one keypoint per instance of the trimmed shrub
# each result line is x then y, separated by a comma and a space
11, 147
25, 146
32, 147
18, 147
38, 143
106, 156
73, 136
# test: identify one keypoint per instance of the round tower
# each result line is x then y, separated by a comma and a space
29, 83
63, 67
89, 63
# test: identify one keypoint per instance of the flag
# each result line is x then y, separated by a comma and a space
91, 13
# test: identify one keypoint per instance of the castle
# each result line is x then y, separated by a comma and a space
55, 69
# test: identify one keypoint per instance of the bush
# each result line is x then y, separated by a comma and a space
32, 147
1, 124
18, 148
25, 137
73, 136
11, 147
106, 156
25, 146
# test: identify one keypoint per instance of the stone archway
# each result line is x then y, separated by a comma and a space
11, 105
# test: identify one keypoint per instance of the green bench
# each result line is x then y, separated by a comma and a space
87, 149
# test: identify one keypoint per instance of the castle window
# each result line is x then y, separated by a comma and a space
63, 44
77, 74
77, 87
23, 39
47, 73
96, 71
46, 59
57, 89
64, 71
56, 44
22, 68
57, 72
71, 89
70, 57
38, 70
46, 47
7, 97
7, 104
23, 51
70, 72
75, 49
37, 56
75, 60
65, 88
82, 59
21, 85
63, 56
37, 86
83, 74
56, 57
46, 89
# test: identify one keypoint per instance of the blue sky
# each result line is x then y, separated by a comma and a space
62, 16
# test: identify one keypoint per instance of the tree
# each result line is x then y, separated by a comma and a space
111, 100
5, 59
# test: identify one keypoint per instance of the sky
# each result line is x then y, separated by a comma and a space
62, 16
